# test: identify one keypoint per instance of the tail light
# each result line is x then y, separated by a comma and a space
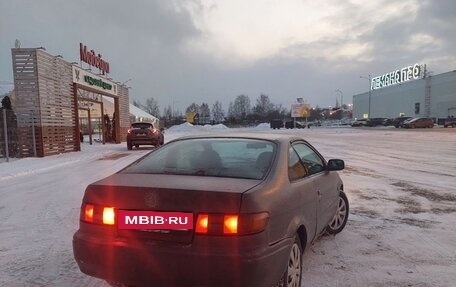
129, 131
231, 224
109, 216
97, 214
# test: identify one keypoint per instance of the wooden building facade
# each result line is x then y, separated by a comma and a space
47, 104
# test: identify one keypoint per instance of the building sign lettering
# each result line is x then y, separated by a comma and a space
96, 83
399, 76
93, 59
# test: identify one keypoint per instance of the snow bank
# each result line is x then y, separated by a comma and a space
263, 126
188, 127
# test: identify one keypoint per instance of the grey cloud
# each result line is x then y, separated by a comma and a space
145, 41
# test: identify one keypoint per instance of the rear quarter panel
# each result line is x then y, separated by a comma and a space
289, 205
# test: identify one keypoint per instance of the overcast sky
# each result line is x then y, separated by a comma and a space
181, 52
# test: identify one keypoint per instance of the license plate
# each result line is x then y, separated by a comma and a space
143, 220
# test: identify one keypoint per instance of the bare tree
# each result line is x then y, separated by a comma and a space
167, 113
193, 108
137, 103
278, 112
152, 107
263, 107
241, 107
6, 103
204, 113
217, 112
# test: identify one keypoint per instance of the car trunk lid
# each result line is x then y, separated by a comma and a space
168, 193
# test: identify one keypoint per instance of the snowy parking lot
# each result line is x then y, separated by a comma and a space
401, 231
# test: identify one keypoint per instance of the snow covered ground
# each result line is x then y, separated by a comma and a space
401, 231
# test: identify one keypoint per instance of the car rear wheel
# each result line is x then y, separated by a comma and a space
129, 147
293, 273
340, 218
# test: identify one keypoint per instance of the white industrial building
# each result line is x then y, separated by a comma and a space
408, 92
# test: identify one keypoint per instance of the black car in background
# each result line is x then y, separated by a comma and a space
142, 133
397, 122
277, 124
373, 122
449, 122
292, 125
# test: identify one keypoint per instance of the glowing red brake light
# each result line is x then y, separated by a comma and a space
109, 216
202, 224
88, 213
231, 224
98, 214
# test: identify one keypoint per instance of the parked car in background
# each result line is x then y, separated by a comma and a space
291, 125
359, 123
449, 122
277, 124
388, 122
314, 124
419, 123
373, 122
142, 133
397, 122
230, 210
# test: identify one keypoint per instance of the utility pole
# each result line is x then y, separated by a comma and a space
370, 94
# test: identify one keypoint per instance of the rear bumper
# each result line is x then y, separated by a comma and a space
227, 263
143, 140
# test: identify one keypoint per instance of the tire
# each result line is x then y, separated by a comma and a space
293, 272
136, 145
339, 220
129, 147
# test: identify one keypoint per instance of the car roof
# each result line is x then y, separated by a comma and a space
245, 135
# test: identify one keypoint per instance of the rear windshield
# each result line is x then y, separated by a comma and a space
141, 125
220, 157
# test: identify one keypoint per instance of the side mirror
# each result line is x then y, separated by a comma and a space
335, 164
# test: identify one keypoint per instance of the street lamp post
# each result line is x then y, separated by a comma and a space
370, 92
341, 98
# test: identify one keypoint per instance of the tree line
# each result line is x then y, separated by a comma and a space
240, 112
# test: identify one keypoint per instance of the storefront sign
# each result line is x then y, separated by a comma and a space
91, 58
399, 76
89, 80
